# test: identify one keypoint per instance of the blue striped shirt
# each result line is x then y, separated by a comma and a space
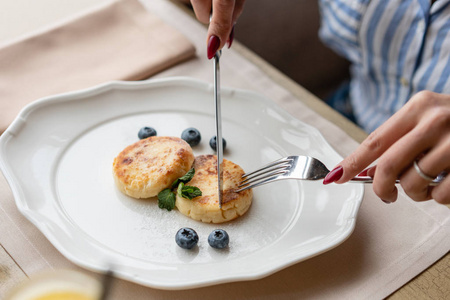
397, 48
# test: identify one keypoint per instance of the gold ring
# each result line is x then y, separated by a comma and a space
421, 173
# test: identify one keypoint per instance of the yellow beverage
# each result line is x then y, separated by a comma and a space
58, 285
65, 296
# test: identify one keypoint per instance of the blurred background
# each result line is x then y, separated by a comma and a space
282, 32
285, 34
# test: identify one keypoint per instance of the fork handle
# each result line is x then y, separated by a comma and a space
363, 179
368, 179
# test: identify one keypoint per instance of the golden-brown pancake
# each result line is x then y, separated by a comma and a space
206, 207
148, 166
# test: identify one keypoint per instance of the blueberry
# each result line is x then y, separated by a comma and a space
218, 239
213, 143
146, 132
191, 136
186, 238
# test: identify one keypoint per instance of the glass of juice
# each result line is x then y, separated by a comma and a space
57, 285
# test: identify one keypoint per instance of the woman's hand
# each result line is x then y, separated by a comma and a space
419, 131
221, 26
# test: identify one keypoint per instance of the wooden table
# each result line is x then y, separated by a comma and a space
433, 283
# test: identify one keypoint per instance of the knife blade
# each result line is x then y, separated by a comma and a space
219, 141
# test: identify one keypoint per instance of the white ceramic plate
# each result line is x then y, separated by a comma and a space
57, 156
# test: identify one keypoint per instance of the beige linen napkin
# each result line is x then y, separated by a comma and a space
119, 41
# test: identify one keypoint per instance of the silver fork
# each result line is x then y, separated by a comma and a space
301, 168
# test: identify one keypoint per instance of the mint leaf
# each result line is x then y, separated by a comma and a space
185, 178
179, 190
166, 199
191, 192
188, 192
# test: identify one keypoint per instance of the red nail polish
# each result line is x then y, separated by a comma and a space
363, 173
213, 46
231, 38
334, 175
370, 171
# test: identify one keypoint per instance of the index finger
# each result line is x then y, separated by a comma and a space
378, 142
202, 9
222, 20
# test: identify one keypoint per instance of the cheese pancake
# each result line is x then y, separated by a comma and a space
206, 207
145, 168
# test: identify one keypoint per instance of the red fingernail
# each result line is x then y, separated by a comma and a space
231, 38
368, 172
371, 171
363, 173
213, 46
334, 175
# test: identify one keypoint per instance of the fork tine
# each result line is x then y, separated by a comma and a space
266, 172
263, 176
255, 184
272, 164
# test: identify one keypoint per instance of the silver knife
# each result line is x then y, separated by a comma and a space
219, 143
